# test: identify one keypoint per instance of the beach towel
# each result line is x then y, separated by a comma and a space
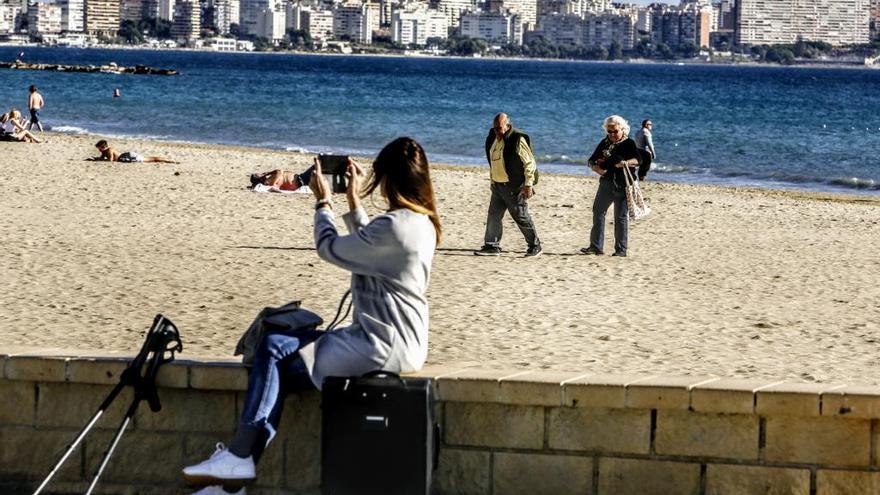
638, 207
262, 188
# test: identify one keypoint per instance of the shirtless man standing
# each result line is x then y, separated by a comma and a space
35, 104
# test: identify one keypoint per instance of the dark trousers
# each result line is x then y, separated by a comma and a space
605, 196
645, 163
507, 198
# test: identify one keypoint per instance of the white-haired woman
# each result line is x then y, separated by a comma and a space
614, 152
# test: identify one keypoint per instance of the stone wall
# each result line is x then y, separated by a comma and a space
504, 432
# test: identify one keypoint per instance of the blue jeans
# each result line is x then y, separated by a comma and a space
277, 371
507, 198
605, 196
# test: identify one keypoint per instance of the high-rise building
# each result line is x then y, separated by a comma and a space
273, 23
71, 15
44, 18
293, 19
498, 27
250, 14
526, 9
679, 26
131, 10
166, 9
187, 20
10, 18
725, 12
353, 22
318, 23
609, 27
838, 22
874, 21
415, 26
453, 9
695, 24
561, 29
102, 17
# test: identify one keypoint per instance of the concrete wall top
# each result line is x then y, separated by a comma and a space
469, 384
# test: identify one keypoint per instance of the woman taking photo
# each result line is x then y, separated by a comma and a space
613, 153
390, 262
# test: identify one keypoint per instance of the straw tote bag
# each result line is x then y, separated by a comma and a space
638, 207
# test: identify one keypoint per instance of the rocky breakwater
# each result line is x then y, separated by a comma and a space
110, 68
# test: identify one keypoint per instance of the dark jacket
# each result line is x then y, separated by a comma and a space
625, 150
513, 165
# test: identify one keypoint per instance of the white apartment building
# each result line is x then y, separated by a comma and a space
166, 10
838, 22
493, 26
527, 10
102, 17
453, 9
562, 29
44, 18
72, 15
353, 22
220, 44
9, 18
416, 26
318, 23
187, 20
273, 23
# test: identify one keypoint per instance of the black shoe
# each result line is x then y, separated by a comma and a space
591, 250
619, 253
488, 251
534, 252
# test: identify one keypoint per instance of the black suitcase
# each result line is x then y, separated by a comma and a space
378, 435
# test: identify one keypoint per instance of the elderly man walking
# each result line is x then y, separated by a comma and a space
513, 172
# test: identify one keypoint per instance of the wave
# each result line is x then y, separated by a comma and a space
69, 129
856, 183
561, 159
671, 169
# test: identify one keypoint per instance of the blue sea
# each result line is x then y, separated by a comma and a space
813, 129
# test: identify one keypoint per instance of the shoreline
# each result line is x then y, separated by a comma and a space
793, 188
627, 61
720, 281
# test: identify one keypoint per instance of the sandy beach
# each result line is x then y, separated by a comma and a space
723, 282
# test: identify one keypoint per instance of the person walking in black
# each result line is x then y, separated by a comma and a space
613, 153
513, 172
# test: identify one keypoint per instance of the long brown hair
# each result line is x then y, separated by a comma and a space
402, 172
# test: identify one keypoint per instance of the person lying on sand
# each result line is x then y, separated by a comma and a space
282, 179
12, 128
109, 154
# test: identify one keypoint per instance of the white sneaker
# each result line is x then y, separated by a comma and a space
223, 468
218, 490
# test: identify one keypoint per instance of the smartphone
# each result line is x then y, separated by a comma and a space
333, 168
333, 164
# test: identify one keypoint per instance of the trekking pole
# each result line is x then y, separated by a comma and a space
166, 339
130, 376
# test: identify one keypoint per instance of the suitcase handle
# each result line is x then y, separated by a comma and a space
381, 374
